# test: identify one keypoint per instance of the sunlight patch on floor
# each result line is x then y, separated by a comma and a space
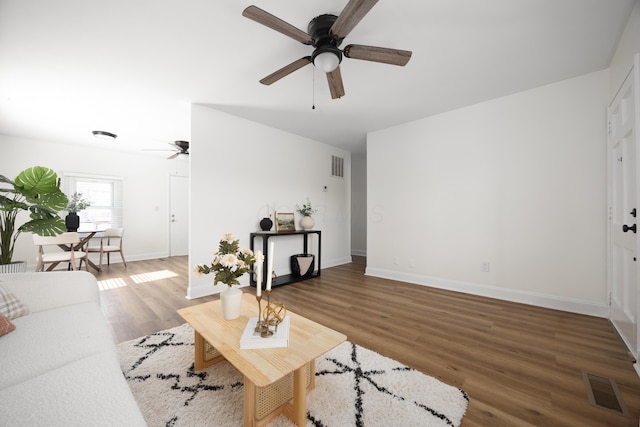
104, 285
154, 275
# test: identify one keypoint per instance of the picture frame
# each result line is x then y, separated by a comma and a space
285, 221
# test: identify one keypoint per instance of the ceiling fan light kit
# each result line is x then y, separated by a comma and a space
325, 33
327, 58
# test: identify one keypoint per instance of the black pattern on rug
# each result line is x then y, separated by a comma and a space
354, 387
360, 375
196, 382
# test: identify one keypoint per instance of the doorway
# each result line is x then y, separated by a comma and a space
623, 158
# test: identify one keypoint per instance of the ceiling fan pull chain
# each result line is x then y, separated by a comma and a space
313, 88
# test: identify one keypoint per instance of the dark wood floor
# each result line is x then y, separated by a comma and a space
521, 365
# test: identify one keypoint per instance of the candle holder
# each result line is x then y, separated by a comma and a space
261, 325
264, 332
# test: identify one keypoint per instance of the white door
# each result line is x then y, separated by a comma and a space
623, 211
179, 215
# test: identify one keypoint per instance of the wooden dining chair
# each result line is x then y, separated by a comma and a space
110, 242
67, 251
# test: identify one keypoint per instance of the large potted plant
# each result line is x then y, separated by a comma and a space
36, 190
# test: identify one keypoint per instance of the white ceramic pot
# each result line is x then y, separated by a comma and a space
307, 222
13, 267
231, 302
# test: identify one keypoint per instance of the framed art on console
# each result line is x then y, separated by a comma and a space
285, 221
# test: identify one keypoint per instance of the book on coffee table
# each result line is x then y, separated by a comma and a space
252, 340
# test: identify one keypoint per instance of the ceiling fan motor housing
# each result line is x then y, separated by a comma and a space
319, 30
183, 145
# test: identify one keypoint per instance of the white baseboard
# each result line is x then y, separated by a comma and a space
531, 298
336, 261
194, 292
202, 290
359, 252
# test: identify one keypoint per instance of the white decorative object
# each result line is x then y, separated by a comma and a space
270, 266
307, 222
258, 267
231, 302
251, 339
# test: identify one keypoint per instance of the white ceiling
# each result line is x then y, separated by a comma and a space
68, 67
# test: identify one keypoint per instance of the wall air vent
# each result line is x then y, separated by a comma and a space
337, 166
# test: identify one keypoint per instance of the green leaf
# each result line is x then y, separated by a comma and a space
53, 201
45, 226
37, 180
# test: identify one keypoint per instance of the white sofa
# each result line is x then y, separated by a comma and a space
59, 367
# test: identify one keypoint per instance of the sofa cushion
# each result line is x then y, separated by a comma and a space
88, 392
44, 291
11, 306
49, 339
5, 325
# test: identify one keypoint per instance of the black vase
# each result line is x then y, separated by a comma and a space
72, 221
266, 224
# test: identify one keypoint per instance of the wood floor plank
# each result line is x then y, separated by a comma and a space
521, 365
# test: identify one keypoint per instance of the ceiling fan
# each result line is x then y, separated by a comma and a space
179, 148
325, 33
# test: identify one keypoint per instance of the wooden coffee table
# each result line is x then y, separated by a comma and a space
276, 380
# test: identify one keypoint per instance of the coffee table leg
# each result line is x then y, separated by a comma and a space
249, 403
198, 351
300, 396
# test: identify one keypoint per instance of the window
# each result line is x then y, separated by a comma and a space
105, 195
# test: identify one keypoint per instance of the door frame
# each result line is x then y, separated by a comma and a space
634, 73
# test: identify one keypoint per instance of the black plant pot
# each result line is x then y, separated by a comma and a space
266, 224
72, 221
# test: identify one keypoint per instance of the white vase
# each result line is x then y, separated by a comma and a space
13, 267
307, 222
231, 302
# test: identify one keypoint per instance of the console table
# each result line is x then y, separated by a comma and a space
287, 278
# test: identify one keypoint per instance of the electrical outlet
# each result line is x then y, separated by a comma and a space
396, 260
325, 188
484, 266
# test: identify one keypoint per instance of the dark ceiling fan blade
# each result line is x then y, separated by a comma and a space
268, 20
352, 13
173, 156
286, 70
377, 54
336, 87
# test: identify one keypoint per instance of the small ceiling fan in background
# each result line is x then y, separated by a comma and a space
326, 33
178, 147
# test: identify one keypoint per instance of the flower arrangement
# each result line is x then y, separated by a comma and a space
306, 209
229, 261
77, 203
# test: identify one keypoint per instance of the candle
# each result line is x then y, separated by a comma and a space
259, 273
270, 267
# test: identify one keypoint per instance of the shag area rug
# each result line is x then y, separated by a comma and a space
354, 387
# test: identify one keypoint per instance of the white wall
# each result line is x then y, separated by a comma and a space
519, 182
242, 171
145, 189
359, 205
628, 46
